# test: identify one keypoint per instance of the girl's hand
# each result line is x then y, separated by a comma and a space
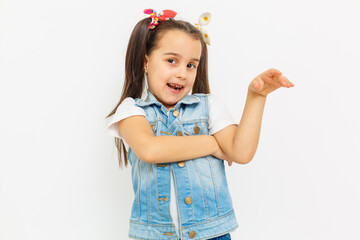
269, 81
221, 155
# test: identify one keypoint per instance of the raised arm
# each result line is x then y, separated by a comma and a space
137, 132
240, 142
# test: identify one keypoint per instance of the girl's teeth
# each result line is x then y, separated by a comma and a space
175, 86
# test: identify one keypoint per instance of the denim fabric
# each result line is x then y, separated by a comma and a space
223, 237
202, 180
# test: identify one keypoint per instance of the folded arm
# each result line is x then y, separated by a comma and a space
137, 132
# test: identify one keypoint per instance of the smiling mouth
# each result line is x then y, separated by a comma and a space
174, 86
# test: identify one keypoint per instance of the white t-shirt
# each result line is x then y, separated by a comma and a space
219, 118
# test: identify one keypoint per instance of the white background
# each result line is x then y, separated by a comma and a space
62, 70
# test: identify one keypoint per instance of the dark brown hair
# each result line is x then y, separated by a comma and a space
142, 42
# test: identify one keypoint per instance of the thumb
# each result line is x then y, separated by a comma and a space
229, 163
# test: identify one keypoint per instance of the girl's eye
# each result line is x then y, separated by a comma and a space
170, 61
192, 64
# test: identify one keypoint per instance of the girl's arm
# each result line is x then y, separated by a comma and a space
137, 132
240, 142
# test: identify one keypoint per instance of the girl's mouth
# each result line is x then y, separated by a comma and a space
174, 88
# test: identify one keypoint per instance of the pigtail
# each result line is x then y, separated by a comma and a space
134, 75
201, 84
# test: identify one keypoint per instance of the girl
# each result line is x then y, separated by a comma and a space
177, 142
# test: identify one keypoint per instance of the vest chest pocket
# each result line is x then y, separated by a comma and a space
196, 128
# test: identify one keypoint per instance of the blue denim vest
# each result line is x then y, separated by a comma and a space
203, 198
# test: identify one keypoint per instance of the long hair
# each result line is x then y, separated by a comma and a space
142, 42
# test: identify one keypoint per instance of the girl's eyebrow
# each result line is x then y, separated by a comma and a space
176, 54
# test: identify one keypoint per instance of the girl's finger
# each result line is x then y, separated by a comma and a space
274, 71
287, 82
285, 78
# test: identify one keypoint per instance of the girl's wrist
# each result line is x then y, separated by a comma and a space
215, 145
254, 94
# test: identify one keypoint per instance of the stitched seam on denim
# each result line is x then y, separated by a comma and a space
203, 190
207, 221
172, 220
167, 117
181, 127
177, 121
147, 192
138, 189
219, 235
215, 186
149, 224
157, 192
135, 237
146, 238
173, 127
187, 170
161, 120
197, 120
195, 97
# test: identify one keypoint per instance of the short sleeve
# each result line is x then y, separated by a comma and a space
127, 108
219, 115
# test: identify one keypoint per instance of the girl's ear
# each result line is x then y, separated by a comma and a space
146, 63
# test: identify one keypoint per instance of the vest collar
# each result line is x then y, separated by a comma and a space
150, 99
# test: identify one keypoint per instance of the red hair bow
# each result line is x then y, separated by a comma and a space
163, 15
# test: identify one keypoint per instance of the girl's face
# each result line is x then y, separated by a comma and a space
172, 67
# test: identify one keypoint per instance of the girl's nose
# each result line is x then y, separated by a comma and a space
181, 73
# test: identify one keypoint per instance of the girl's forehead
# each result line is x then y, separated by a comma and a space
179, 42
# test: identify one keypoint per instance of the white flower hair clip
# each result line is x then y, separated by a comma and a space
203, 20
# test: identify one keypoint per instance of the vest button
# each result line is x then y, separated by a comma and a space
192, 234
181, 164
176, 113
179, 133
188, 201
196, 129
